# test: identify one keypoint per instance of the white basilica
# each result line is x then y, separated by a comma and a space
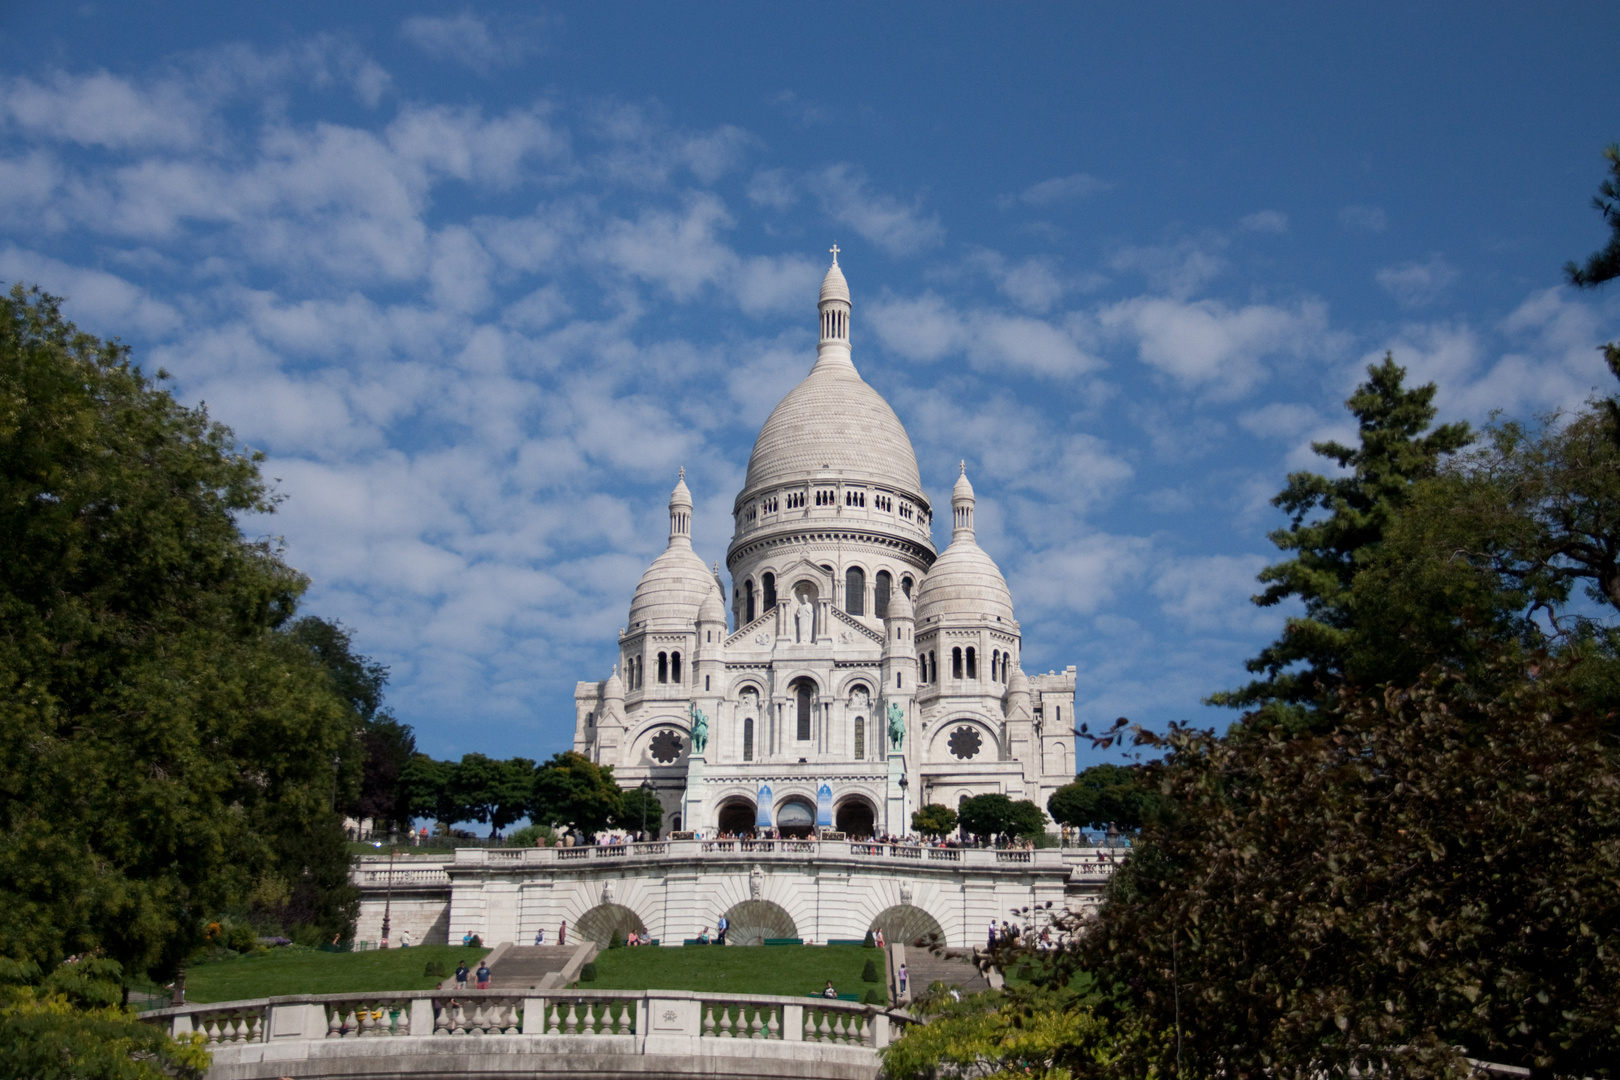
860, 674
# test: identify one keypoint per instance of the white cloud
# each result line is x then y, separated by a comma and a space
1205, 344
928, 328
1417, 284
1212, 592
772, 188
1080, 576
1061, 189
100, 302
892, 225
1279, 420
1364, 219
104, 110
467, 40
1266, 221
1179, 268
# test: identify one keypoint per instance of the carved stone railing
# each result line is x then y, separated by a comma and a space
629, 1014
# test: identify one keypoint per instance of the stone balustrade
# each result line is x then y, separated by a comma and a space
750, 850
424, 1032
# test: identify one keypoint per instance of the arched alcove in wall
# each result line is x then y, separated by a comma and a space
736, 817
907, 924
856, 818
752, 921
795, 818
599, 923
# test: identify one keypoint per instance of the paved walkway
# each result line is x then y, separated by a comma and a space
955, 968
523, 966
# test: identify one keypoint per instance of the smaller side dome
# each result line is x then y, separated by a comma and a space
1018, 682
900, 606
965, 585
675, 585
713, 609
614, 688
833, 286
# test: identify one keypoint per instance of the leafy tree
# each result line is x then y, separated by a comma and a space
495, 792
993, 815
431, 791
166, 746
1335, 526
1603, 265
71, 1024
933, 820
634, 802
386, 744
1433, 869
571, 789
1102, 795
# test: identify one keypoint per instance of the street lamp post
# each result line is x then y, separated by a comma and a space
904, 784
646, 791
388, 897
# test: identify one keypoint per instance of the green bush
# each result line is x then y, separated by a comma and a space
529, 835
434, 970
588, 972
616, 941
873, 997
870, 942
869, 973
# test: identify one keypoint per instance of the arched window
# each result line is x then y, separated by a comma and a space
770, 590
905, 586
855, 591
972, 668
995, 666
933, 667
663, 667
880, 594
956, 663
675, 666
749, 602
860, 738
748, 739
803, 694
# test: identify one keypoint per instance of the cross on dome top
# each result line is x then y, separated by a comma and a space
835, 249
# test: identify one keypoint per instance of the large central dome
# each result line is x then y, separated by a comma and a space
832, 424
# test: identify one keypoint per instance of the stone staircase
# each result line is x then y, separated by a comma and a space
955, 968
525, 966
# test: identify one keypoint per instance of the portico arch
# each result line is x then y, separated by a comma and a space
795, 818
907, 924
736, 816
752, 921
600, 923
855, 817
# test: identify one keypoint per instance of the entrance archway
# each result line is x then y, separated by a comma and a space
795, 819
600, 923
752, 921
907, 924
736, 818
856, 819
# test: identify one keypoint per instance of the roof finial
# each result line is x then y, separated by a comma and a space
835, 249
683, 472
964, 466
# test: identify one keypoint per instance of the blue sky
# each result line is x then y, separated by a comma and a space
479, 279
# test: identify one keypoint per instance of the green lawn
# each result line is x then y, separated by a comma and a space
793, 970
306, 972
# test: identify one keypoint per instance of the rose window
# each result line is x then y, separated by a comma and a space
965, 742
665, 747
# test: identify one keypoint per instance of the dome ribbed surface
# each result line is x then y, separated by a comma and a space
834, 422
673, 588
833, 286
964, 585
713, 608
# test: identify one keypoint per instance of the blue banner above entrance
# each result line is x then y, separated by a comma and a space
762, 820
824, 807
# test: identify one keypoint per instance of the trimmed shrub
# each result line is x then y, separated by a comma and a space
616, 941
434, 970
588, 972
869, 973
870, 942
873, 997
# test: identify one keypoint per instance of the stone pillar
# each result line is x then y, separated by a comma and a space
897, 815
692, 810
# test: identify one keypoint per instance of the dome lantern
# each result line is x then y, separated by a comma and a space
834, 307
680, 512
962, 502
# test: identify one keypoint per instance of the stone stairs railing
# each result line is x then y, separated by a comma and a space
632, 1015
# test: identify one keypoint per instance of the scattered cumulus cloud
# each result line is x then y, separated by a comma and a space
1417, 284
1266, 221
1204, 344
896, 227
104, 110
1211, 593
467, 40
1058, 189
928, 328
1371, 219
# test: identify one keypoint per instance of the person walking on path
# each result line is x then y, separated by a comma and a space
562, 933
902, 974
483, 975
461, 975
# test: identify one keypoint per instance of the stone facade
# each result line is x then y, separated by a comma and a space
842, 616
